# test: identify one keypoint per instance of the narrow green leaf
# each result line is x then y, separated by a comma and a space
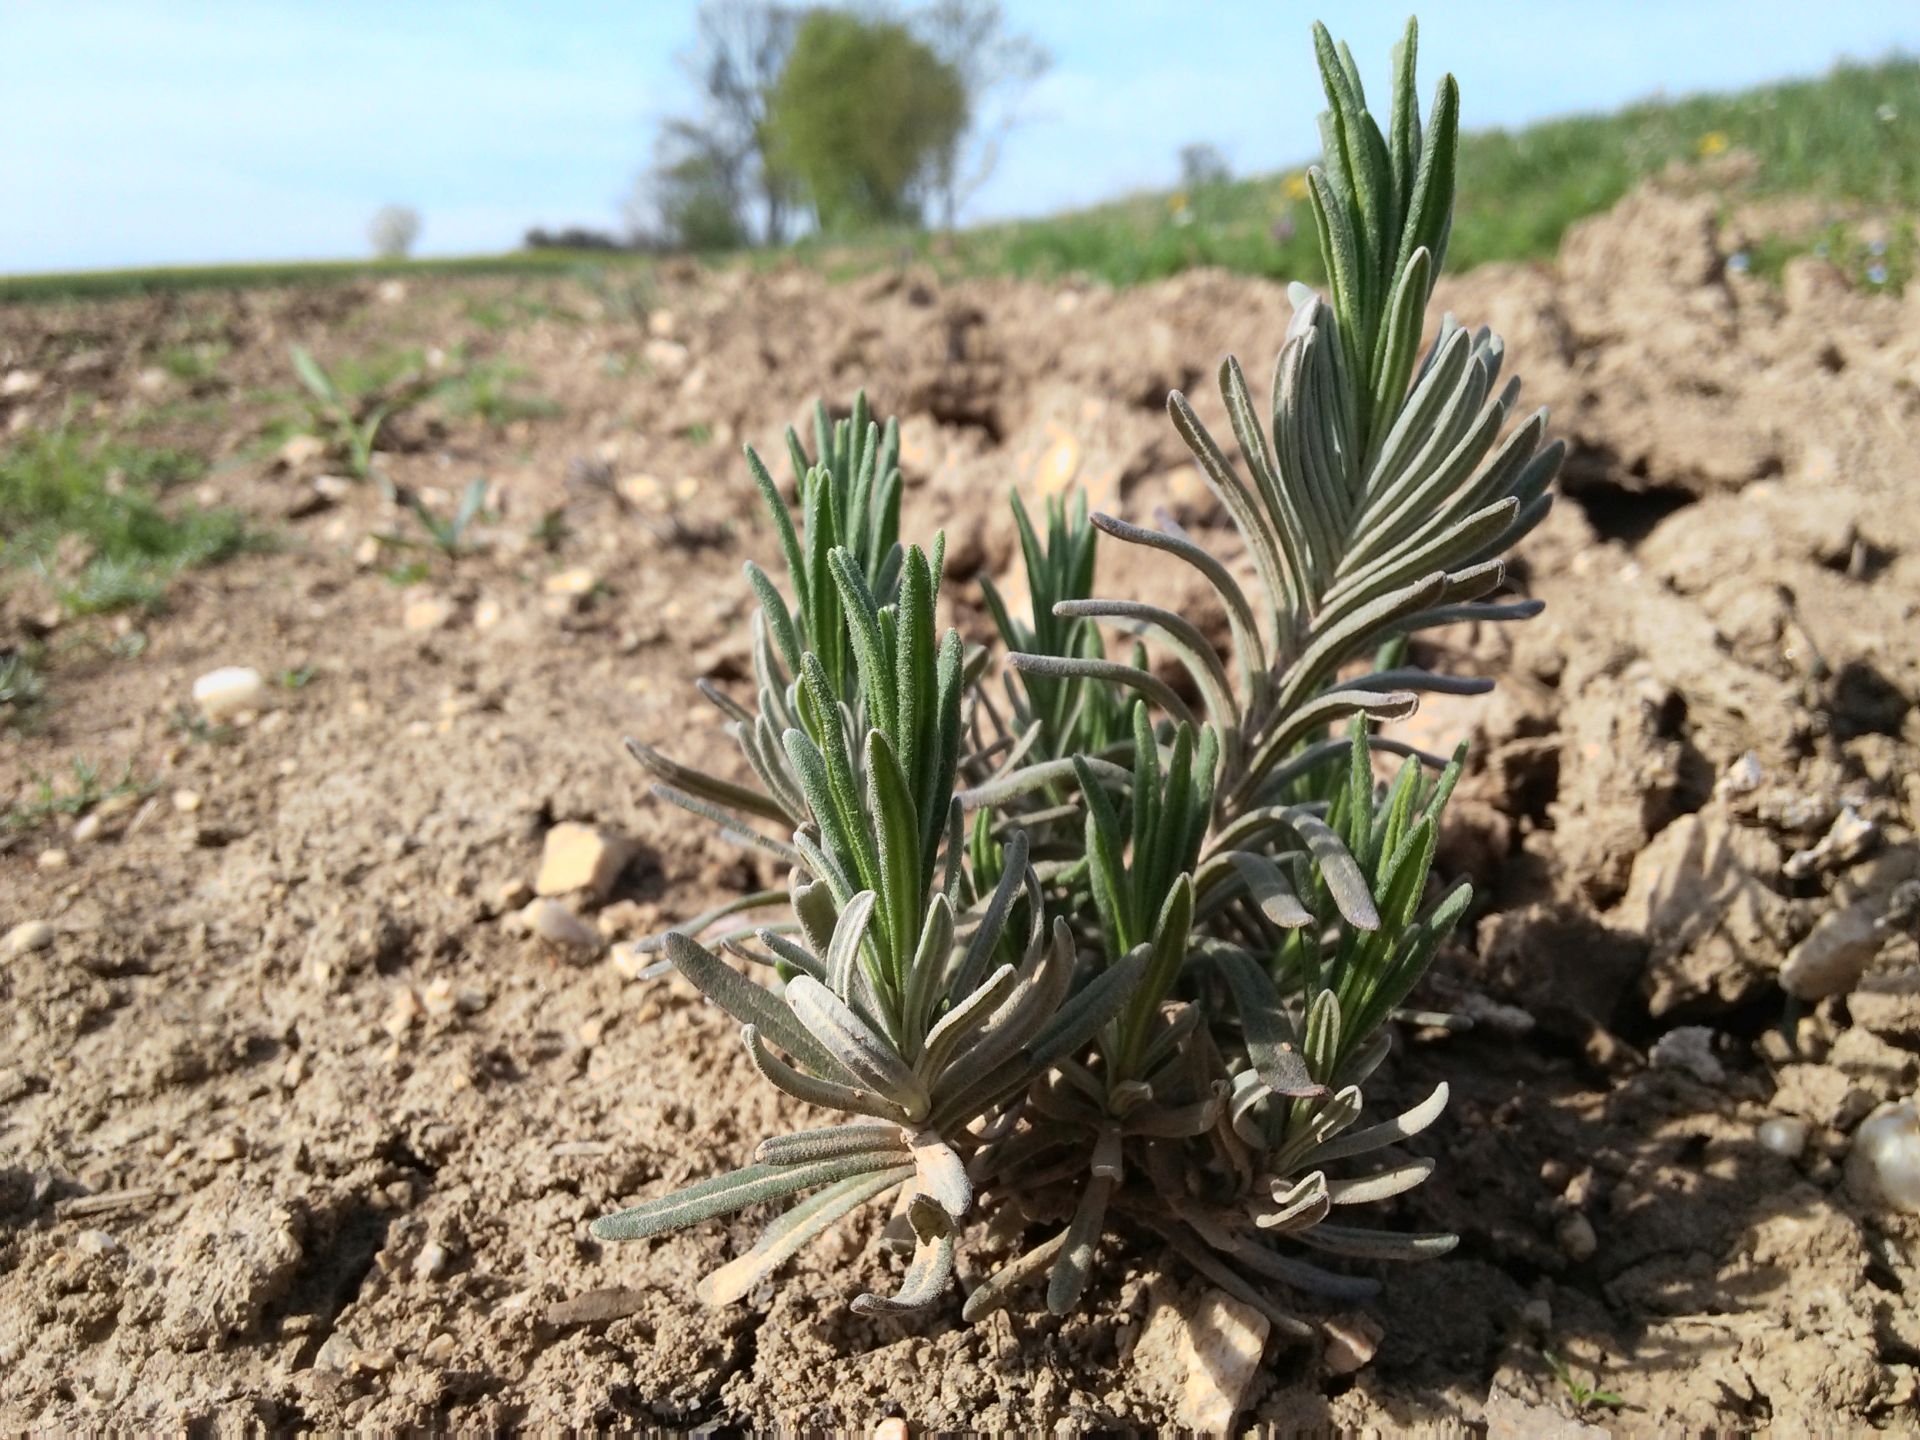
792, 1231
857, 1099
749, 1003
1272, 1045
724, 1194
869, 1057
1068, 1279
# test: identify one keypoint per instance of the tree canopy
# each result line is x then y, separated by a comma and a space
860, 114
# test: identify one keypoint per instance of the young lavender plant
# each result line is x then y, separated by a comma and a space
1138, 995
892, 1009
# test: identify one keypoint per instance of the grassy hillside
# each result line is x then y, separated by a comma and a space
1852, 137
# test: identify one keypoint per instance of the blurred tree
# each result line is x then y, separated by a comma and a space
861, 114
695, 192
740, 48
996, 68
393, 231
1203, 168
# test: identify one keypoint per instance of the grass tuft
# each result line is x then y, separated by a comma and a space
94, 518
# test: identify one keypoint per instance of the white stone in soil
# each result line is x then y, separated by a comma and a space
1883, 1167
28, 935
1784, 1135
427, 612
229, 691
553, 922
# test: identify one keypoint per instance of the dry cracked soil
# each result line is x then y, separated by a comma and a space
298, 1131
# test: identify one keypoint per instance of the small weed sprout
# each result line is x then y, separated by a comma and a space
1583, 1395
490, 392
351, 406
23, 688
350, 410
51, 799
1111, 965
445, 533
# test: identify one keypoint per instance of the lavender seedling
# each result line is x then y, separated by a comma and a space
1138, 995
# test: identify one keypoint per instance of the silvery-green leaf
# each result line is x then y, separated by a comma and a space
1401, 1127
1365, 1189
866, 1055
827, 1142
736, 1190
792, 1232
1376, 1244
749, 1003
843, 951
827, 1094
926, 1280
1068, 1280
993, 1294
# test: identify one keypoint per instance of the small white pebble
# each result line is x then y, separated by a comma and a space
186, 801
1352, 1342
1742, 777
86, 829
1884, 1164
632, 962
27, 935
53, 859
557, 925
581, 857
1784, 1135
224, 693
437, 999
431, 1262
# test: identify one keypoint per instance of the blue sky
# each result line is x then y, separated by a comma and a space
211, 130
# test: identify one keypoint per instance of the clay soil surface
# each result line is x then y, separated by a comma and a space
296, 1130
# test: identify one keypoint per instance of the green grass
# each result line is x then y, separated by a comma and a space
493, 393
99, 284
23, 688
1851, 137
98, 521
52, 798
1883, 260
194, 364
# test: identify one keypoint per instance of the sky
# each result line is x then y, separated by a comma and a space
201, 131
